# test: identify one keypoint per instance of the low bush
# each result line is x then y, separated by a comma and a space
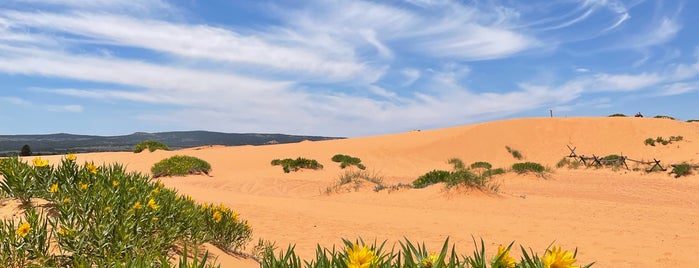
180, 165
617, 115
664, 117
432, 177
567, 161
494, 172
103, 216
516, 154
289, 164
649, 141
528, 167
151, 146
484, 165
357, 178
346, 161
680, 170
465, 177
692, 120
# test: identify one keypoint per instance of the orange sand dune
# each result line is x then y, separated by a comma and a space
616, 218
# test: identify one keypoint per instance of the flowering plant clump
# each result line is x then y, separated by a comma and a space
180, 165
361, 255
104, 216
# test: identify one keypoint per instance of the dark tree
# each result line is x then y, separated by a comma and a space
26, 151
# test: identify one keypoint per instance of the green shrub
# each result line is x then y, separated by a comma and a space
493, 172
516, 154
481, 164
617, 115
649, 141
346, 161
107, 217
664, 117
680, 170
676, 138
289, 164
180, 165
432, 177
528, 167
692, 120
456, 163
151, 146
465, 177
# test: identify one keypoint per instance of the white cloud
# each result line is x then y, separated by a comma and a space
65, 108
679, 88
196, 41
624, 82
411, 75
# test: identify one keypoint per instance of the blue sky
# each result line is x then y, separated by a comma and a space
342, 68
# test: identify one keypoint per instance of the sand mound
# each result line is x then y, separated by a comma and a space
618, 218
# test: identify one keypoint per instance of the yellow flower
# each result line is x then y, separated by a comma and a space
115, 183
137, 205
430, 261
54, 188
23, 229
83, 186
556, 258
66, 200
217, 216
107, 209
505, 260
64, 231
71, 157
360, 257
152, 204
156, 190
38, 162
154, 219
235, 216
92, 168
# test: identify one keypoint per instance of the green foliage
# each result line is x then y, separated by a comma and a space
528, 167
289, 164
680, 170
617, 115
346, 161
493, 172
106, 217
566, 161
516, 154
151, 146
481, 164
432, 177
465, 177
456, 163
180, 165
664, 117
649, 141
357, 178
408, 255
692, 120
25, 151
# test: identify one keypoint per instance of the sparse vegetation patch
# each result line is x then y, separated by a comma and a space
481, 164
289, 164
663, 141
617, 115
664, 117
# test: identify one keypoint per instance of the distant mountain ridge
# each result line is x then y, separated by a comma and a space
62, 143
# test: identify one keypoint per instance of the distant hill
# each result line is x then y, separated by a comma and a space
64, 143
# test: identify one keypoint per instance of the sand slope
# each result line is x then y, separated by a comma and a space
617, 218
